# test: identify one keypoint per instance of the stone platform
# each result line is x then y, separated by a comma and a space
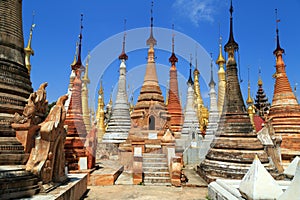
107, 174
73, 189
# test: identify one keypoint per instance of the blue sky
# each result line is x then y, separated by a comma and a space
57, 29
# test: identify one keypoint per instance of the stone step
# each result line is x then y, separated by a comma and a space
13, 159
16, 182
155, 165
157, 174
154, 180
153, 155
157, 184
152, 160
21, 192
21, 181
155, 169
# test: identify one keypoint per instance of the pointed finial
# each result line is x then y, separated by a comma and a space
101, 88
231, 44
212, 82
28, 50
173, 35
196, 58
231, 8
75, 55
190, 80
249, 100
173, 59
259, 82
123, 55
78, 63
151, 41
220, 59
85, 78
278, 48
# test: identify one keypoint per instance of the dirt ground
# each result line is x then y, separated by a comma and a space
125, 192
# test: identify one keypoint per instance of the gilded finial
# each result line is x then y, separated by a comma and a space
28, 50
249, 100
259, 82
85, 77
100, 92
75, 55
220, 59
123, 55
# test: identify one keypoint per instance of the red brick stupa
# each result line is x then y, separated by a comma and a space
173, 105
76, 135
285, 110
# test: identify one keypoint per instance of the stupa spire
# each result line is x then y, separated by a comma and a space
74, 118
231, 44
85, 96
100, 113
119, 123
28, 50
213, 116
222, 78
123, 55
190, 80
151, 42
173, 102
249, 100
173, 59
78, 63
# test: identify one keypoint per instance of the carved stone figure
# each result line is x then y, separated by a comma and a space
47, 158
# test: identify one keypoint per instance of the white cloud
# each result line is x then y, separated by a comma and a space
197, 10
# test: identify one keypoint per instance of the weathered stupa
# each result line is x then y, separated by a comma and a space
15, 85
222, 79
76, 134
173, 101
119, 123
285, 110
261, 100
236, 144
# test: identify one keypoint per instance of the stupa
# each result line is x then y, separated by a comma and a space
76, 134
212, 119
15, 85
222, 79
285, 110
119, 123
100, 114
191, 122
149, 118
236, 144
173, 102
262, 104
201, 110
85, 97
